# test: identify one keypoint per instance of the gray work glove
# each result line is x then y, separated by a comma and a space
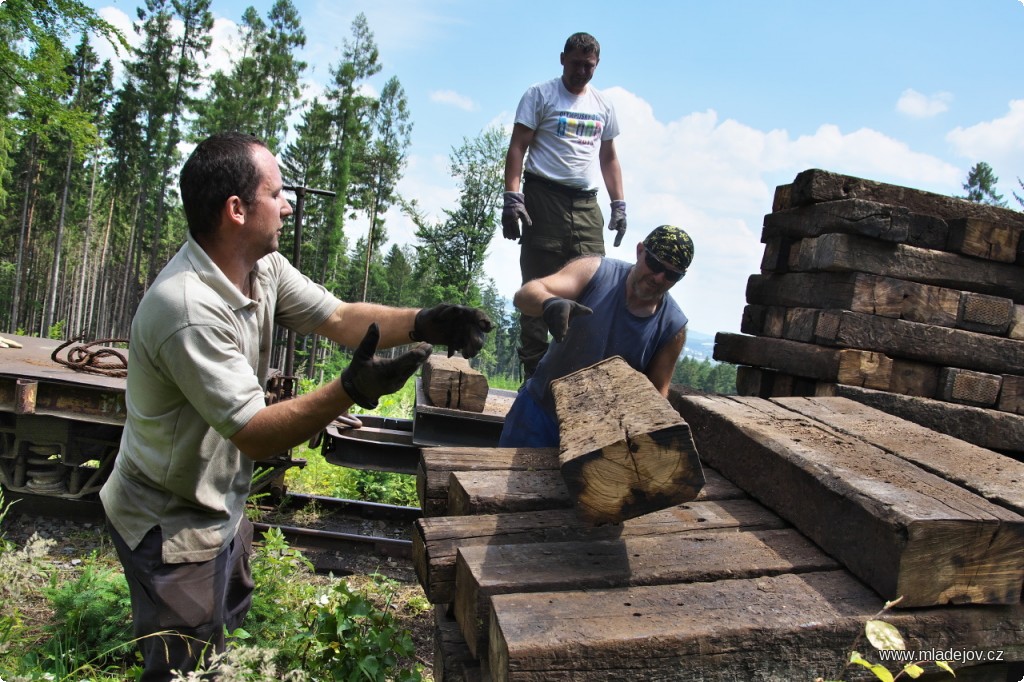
513, 211
618, 220
368, 377
459, 327
557, 314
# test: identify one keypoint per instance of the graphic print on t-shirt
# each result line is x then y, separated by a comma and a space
579, 128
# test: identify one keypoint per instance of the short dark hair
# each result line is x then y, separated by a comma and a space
221, 166
584, 42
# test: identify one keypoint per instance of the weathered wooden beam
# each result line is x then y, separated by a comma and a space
802, 359
815, 185
436, 540
436, 464
820, 363
623, 450
780, 198
1011, 394
452, 383
849, 253
485, 571
753, 629
857, 216
940, 346
904, 531
984, 313
994, 476
495, 492
453, 661
969, 387
767, 383
884, 296
1000, 431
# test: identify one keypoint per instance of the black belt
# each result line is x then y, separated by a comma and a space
573, 192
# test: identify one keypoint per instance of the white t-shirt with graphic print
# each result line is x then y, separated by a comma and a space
569, 131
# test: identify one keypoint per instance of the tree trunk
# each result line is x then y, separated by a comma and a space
58, 245
23, 236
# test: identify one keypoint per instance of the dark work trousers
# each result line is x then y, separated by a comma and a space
566, 223
180, 611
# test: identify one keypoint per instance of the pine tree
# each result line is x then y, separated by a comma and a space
350, 111
981, 185
262, 88
384, 164
458, 245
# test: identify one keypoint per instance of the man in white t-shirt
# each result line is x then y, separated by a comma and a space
568, 127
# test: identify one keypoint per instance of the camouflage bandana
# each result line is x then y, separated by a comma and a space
671, 245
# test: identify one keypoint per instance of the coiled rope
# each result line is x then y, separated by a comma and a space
104, 360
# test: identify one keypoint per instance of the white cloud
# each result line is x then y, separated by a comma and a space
223, 46
1001, 138
918, 105
454, 99
999, 143
716, 178
104, 50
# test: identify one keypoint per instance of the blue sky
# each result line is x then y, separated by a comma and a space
719, 102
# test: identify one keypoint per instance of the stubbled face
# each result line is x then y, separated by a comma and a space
577, 69
645, 284
265, 216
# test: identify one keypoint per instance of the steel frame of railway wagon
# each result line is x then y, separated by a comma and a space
60, 429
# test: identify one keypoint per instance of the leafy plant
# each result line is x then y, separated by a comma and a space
278, 596
353, 639
885, 637
92, 618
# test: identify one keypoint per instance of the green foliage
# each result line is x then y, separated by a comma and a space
457, 246
92, 618
353, 639
981, 185
386, 488
56, 330
705, 375
277, 570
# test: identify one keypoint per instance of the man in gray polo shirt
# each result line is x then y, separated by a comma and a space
197, 416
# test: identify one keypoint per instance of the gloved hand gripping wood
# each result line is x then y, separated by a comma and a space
368, 377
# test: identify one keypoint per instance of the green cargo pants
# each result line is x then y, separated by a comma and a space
566, 223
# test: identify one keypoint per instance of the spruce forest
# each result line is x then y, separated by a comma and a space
89, 160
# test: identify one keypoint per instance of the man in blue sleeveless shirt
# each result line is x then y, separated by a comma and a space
596, 308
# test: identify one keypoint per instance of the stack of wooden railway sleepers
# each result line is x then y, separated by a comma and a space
909, 301
815, 512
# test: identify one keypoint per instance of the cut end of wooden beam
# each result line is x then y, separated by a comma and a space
637, 476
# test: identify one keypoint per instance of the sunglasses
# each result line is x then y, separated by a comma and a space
656, 266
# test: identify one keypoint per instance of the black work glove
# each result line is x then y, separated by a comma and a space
558, 312
618, 220
512, 212
459, 327
368, 377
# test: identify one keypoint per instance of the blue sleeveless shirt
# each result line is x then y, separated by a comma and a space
610, 330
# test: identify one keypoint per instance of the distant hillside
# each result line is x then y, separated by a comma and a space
699, 346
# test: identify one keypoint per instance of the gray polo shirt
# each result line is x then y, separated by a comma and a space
198, 361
